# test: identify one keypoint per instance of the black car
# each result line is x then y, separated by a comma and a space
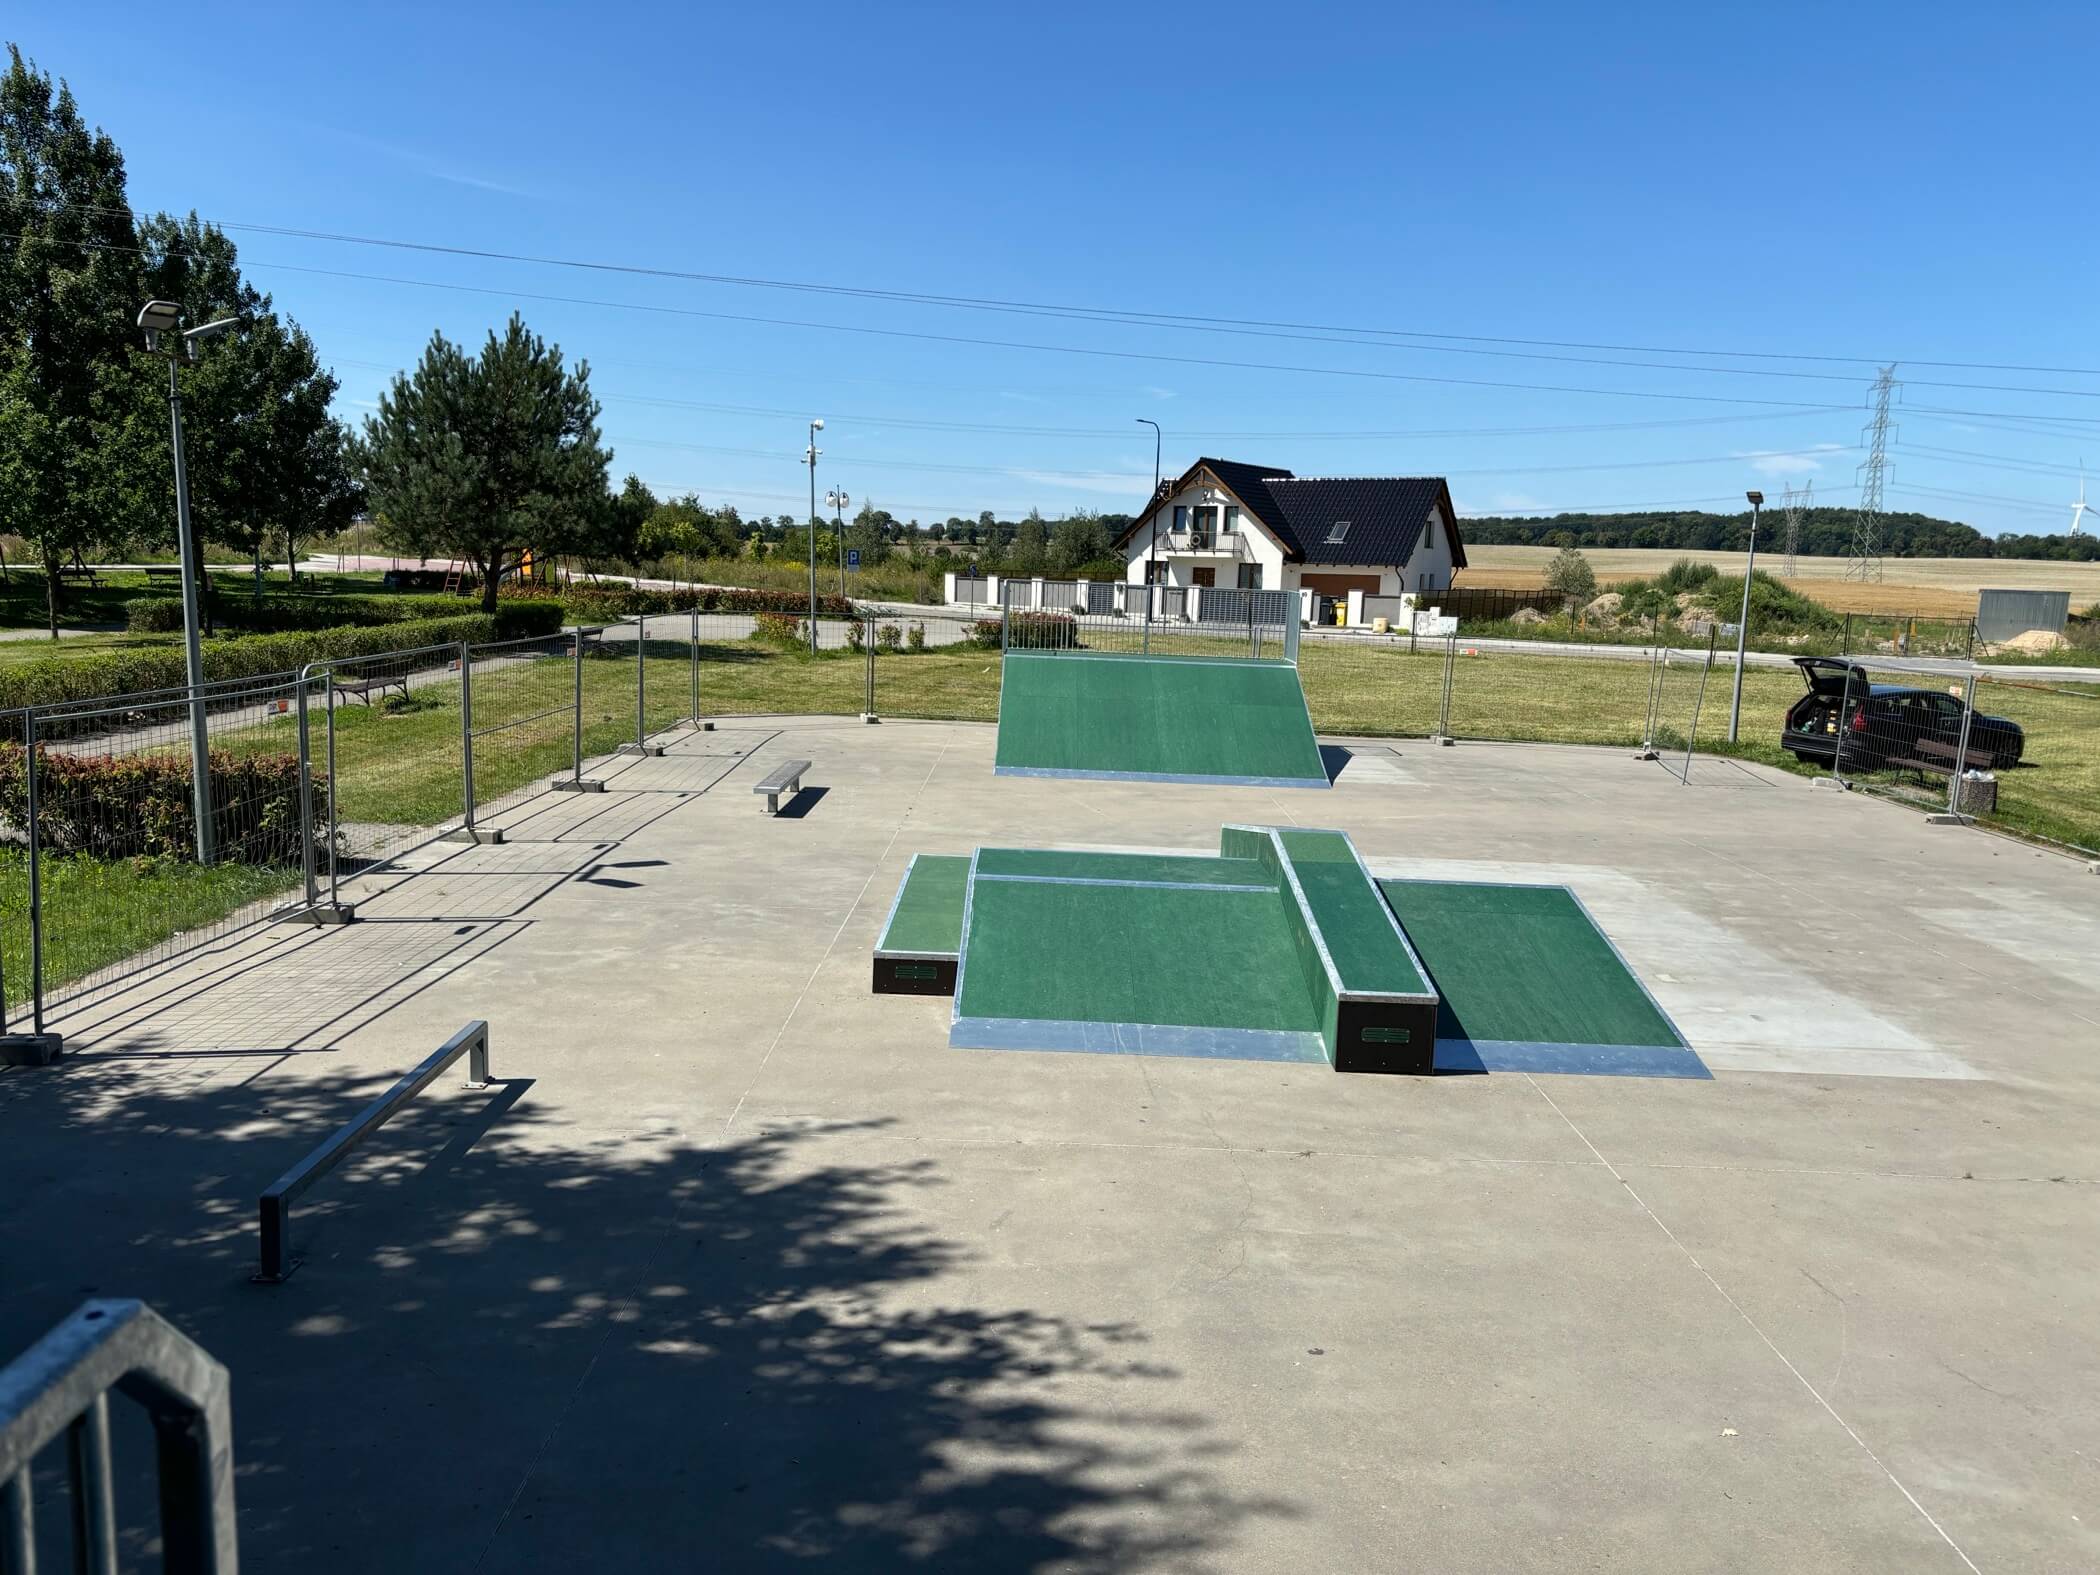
1880, 724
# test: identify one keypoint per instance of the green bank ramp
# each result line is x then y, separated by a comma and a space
1195, 720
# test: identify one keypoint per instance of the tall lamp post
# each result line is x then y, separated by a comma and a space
1152, 551
815, 427
162, 322
1742, 627
838, 500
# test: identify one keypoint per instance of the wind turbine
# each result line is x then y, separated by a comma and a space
2078, 509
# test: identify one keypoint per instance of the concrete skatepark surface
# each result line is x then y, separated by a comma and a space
740, 1267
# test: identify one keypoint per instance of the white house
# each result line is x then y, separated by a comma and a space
1225, 523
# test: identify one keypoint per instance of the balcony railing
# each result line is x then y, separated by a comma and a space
1205, 543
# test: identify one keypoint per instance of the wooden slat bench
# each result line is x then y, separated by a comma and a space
783, 778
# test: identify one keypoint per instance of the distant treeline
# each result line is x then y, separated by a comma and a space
1825, 533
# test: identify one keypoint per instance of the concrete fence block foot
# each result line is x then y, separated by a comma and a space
30, 1049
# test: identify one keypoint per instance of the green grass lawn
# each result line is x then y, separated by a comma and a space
98, 912
400, 765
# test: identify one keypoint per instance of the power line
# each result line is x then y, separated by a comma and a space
1122, 315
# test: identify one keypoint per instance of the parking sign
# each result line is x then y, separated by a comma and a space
852, 557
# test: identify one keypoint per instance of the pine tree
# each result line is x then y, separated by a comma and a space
486, 458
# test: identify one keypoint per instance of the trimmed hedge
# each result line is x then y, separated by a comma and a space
138, 806
277, 613
58, 678
601, 603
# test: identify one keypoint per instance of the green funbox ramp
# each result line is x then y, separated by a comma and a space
1281, 947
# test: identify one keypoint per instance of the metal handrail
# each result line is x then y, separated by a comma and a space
275, 1207
60, 1386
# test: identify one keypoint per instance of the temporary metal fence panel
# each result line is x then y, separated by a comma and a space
1371, 685
943, 668
760, 664
100, 805
522, 704
393, 752
60, 1388
1685, 682
1507, 693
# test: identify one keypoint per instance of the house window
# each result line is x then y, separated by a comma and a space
1337, 532
1250, 576
1232, 518
1155, 572
1429, 532
1206, 526
1181, 518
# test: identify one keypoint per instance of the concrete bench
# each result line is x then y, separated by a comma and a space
783, 778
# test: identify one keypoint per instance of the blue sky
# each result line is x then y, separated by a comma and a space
1909, 182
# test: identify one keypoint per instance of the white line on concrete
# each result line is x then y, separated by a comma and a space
1743, 1314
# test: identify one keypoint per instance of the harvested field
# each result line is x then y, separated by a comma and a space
1928, 587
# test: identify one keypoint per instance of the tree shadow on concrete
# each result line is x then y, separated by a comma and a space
513, 1345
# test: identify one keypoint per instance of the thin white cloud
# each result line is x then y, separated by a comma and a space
1088, 480
434, 168
1153, 391
1773, 462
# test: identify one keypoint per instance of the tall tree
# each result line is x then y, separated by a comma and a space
66, 317
487, 458
265, 458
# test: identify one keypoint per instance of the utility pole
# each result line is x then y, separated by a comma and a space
1796, 504
1865, 561
1742, 628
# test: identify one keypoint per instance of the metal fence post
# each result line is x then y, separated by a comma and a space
1657, 661
1443, 711
334, 889
574, 782
1691, 737
694, 642
36, 881
1006, 598
578, 777
306, 800
1955, 807
466, 727
641, 673
868, 712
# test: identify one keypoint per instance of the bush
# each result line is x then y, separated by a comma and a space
1685, 575
984, 634
277, 613
1038, 631
777, 628
915, 637
888, 637
1571, 575
587, 604
856, 637
1772, 605
57, 679
137, 806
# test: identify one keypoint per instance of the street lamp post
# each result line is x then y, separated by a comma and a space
815, 427
1742, 627
838, 500
159, 319
1152, 551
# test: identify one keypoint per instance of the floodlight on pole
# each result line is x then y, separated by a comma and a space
1742, 627
158, 319
815, 427
1152, 551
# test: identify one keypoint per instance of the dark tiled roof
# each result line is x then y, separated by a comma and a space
1385, 515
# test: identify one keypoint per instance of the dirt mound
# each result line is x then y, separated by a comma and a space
1605, 609
1527, 615
2034, 642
